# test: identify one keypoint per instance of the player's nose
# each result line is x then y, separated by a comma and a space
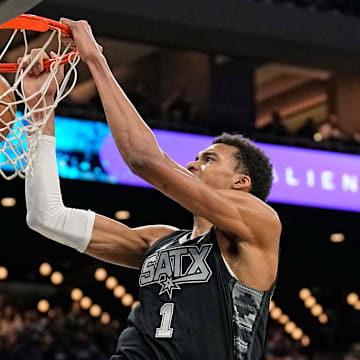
192, 166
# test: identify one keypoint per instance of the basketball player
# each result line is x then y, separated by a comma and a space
204, 293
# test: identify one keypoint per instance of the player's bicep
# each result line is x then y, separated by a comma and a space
116, 243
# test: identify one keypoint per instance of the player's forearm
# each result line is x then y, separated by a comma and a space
133, 137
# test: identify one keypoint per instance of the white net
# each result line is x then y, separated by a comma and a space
16, 151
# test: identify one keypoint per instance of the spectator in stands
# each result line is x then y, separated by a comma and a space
177, 108
354, 353
308, 129
331, 130
275, 127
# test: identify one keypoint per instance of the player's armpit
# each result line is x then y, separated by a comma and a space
233, 211
116, 243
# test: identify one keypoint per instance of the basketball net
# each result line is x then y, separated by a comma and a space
17, 149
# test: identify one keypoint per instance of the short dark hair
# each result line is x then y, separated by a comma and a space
251, 161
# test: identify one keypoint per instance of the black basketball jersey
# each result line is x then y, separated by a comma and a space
191, 307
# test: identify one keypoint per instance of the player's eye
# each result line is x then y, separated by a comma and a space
209, 159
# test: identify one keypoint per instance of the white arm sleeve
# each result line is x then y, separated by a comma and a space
46, 212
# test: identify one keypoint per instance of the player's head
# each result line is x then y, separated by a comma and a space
234, 162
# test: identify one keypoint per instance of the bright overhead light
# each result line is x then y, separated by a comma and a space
352, 298
297, 333
119, 291
8, 202
304, 293
85, 302
357, 305
337, 237
305, 340
317, 137
127, 299
105, 318
284, 319
275, 313
57, 278
122, 215
111, 282
3, 273
289, 327
45, 269
43, 306
95, 310
323, 318
100, 274
310, 302
316, 310
76, 294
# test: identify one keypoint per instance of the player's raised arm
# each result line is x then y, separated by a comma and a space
83, 230
235, 212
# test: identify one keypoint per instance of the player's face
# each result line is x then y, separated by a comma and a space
216, 166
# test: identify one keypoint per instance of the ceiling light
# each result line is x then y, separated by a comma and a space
337, 237
100, 274
122, 215
45, 269
304, 293
310, 302
119, 291
57, 278
323, 318
317, 310
352, 298
127, 299
111, 282
3, 273
85, 302
43, 306
357, 305
283, 319
95, 310
317, 137
290, 326
76, 294
297, 333
305, 340
105, 318
275, 313
8, 202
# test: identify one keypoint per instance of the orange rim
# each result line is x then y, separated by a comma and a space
40, 24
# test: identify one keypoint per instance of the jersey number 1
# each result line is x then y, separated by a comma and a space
165, 331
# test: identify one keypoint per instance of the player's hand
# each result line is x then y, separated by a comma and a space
37, 76
84, 39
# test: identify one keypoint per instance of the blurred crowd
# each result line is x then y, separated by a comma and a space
26, 334
327, 134
348, 7
176, 112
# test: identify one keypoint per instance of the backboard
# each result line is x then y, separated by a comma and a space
12, 8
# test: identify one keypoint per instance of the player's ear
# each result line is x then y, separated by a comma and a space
242, 182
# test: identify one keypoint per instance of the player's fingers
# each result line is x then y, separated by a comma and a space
60, 72
40, 55
67, 21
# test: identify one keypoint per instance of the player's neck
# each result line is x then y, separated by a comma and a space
200, 226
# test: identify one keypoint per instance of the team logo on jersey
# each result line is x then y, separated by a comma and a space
172, 267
